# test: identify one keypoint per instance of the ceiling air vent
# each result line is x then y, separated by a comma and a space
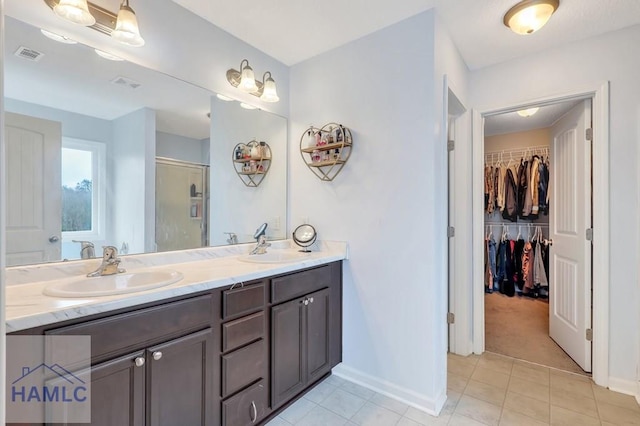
29, 54
126, 82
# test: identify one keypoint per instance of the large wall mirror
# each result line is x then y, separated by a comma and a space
111, 153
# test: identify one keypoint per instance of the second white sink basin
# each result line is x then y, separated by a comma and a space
273, 257
113, 284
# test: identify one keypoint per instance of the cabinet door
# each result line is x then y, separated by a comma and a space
287, 351
117, 391
317, 334
179, 382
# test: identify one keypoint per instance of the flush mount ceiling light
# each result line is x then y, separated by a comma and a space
528, 112
529, 16
245, 80
127, 31
57, 37
76, 11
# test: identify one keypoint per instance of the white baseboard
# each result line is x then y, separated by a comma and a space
628, 387
406, 396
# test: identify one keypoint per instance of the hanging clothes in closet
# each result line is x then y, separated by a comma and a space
515, 265
518, 190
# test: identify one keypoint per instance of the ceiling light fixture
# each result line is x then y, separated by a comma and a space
57, 37
76, 11
269, 93
529, 16
127, 31
528, 112
245, 80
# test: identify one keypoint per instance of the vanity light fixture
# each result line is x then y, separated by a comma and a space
528, 16
528, 112
76, 11
108, 56
269, 93
57, 37
245, 80
127, 31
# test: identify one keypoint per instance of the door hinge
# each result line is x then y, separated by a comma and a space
589, 234
451, 232
451, 145
589, 334
451, 318
588, 134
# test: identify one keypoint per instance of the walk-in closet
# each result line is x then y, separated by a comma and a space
519, 201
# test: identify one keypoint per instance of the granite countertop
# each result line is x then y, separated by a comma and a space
202, 269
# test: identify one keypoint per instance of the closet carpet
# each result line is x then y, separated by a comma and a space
519, 327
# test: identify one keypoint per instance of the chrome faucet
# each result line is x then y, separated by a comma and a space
87, 249
261, 247
110, 262
233, 238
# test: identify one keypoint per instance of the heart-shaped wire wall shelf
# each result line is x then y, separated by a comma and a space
252, 161
325, 150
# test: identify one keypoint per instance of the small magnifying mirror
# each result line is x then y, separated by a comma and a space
304, 236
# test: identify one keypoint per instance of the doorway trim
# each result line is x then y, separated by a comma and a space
599, 93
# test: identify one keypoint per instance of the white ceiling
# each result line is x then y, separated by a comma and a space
294, 30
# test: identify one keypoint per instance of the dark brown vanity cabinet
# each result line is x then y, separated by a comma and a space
232, 356
152, 366
244, 357
305, 331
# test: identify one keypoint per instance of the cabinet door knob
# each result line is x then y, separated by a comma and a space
139, 361
311, 300
254, 412
306, 302
157, 355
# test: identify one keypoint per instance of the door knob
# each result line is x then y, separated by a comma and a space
54, 239
311, 300
306, 302
157, 355
139, 361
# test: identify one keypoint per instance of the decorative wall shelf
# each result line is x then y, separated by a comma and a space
251, 162
326, 150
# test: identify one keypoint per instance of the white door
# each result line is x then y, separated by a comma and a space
570, 254
33, 189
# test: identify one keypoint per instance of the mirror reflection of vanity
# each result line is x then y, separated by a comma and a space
113, 120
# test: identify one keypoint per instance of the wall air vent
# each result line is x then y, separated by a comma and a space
126, 82
29, 54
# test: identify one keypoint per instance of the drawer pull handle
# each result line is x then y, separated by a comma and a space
157, 355
254, 412
139, 361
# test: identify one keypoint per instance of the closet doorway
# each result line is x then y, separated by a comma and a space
538, 203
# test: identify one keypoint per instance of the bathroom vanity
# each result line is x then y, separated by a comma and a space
231, 354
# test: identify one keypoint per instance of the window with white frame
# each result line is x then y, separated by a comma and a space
83, 189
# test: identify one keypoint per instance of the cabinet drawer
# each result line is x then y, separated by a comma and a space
242, 300
301, 283
244, 366
246, 408
136, 329
242, 331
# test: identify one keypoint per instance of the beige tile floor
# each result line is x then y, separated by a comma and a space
483, 390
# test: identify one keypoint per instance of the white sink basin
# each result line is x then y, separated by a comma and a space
113, 284
273, 257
